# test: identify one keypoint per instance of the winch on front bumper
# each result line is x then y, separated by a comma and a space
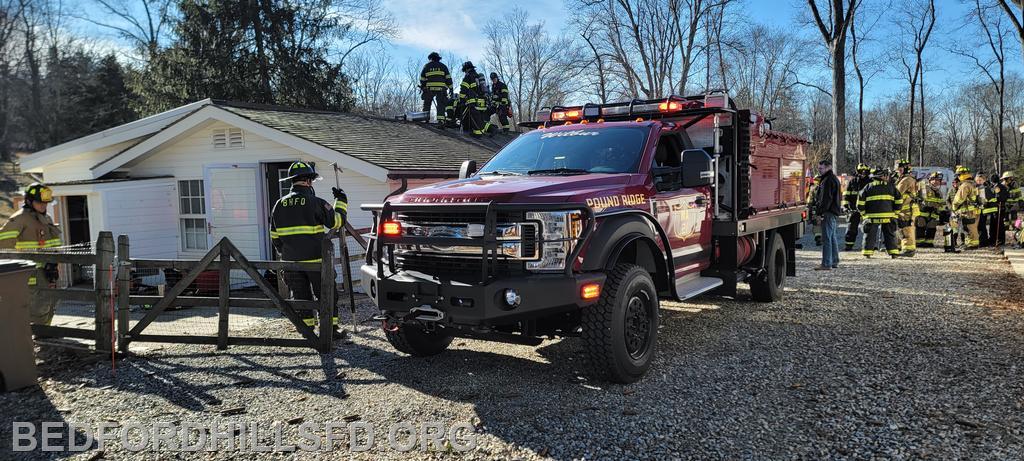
475, 264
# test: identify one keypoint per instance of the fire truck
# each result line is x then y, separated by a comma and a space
579, 227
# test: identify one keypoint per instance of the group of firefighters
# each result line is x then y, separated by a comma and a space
976, 211
475, 103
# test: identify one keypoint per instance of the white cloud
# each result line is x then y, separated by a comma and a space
440, 25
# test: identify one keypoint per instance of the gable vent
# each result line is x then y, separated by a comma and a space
228, 138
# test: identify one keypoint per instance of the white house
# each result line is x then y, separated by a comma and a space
178, 181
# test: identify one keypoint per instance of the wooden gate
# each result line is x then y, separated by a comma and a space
224, 257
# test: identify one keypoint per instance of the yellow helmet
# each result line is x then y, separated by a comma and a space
38, 192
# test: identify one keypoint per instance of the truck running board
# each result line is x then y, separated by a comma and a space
692, 286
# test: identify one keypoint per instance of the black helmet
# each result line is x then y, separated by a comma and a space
433, 56
862, 168
494, 75
877, 172
467, 66
302, 170
38, 192
935, 175
902, 163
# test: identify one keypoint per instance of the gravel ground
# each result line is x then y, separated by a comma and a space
893, 359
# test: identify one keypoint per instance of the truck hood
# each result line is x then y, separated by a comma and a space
517, 189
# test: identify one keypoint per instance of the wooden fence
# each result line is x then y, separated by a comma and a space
112, 296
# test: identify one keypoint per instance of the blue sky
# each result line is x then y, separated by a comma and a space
456, 26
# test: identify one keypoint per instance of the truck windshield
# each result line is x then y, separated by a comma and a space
581, 151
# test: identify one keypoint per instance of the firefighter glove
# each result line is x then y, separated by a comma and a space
339, 194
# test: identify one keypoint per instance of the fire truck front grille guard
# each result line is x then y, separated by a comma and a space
488, 244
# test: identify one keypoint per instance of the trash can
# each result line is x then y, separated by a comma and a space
17, 356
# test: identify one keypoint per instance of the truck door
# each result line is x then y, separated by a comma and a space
681, 212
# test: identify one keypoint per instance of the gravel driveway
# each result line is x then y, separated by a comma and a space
894, 359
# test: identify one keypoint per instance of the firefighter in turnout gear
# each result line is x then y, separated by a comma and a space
966, 206
934, 212
989, 209
31, 229
954, 229
297, 227
435, 84
853, 189
909, 208
1003, 218
878, 203
501, 104
473, 100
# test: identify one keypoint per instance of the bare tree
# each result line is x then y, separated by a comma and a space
364, 22
1014, 19
995, 34
864, 69
916, 24
143, 23
10, 16
833, 31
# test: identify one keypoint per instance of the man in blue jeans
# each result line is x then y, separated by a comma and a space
827, 205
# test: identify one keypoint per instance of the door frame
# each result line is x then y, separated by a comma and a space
261, 214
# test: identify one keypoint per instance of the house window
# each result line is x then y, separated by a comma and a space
284, 186
192, 208
228, 138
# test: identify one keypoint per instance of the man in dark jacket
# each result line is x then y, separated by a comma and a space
827, 205
435, 84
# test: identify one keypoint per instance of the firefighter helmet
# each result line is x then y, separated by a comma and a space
466, 66
38, 192
433, 56
862, 168
1007, 175
960, 169
302, 170
965, 176
494, 75
935, 175
877, 172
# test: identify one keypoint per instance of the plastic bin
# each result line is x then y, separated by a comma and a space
17, 356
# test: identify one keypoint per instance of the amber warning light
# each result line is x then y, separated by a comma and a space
590, 291
392, 228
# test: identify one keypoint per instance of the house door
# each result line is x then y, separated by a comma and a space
232, 203
274, 173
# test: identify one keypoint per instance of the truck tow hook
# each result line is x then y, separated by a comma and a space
425, 313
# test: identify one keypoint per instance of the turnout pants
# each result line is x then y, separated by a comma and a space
852, 229
502, 113
305, 286
908, 238
983, 230
888, 230
441, 99
972, 240
474, 121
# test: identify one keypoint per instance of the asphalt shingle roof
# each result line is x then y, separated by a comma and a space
390, 144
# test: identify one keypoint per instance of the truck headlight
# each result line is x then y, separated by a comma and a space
559, 229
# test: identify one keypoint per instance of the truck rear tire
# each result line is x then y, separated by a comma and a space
768, 286
415, 341
620, 332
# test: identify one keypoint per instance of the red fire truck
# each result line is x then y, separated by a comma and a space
579, 227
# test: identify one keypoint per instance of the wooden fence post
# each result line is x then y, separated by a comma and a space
327, 293
104, 295
124, 287
224, 293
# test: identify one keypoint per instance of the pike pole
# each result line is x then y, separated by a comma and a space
346, 271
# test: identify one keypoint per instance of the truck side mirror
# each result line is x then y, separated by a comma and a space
467, 169
698, 168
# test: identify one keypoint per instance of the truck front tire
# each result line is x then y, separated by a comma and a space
620, 332
416, 341
767, 286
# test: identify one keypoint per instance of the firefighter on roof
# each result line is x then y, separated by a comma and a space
501, 103
474, 102
966, 205
853, 188
297, 226
435, 84
878, 203
31, 229
934, 212
909, 208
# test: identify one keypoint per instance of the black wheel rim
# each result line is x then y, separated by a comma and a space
780, 267
639, 313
